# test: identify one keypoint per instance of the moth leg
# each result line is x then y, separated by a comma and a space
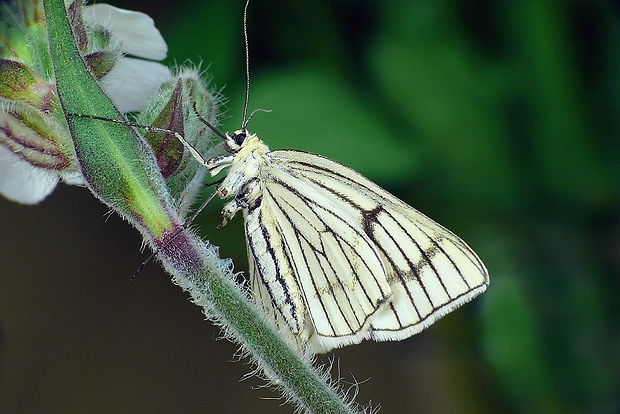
247, 197
217, 164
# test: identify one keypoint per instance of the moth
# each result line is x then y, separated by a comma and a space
332, 256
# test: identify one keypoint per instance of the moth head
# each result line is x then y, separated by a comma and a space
235, 141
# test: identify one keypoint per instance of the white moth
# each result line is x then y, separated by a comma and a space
333, 257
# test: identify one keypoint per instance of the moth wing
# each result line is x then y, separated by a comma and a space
430, 270
323, 274
265, 295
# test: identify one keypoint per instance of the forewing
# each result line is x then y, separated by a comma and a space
429, 269
303, 242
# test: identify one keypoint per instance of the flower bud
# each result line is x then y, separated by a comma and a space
167, 148
101, 62
174, 111
20, 84
32, 137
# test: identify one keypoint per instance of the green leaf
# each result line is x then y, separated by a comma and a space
117, 164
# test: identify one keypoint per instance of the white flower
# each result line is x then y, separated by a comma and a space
130, 83
23, 183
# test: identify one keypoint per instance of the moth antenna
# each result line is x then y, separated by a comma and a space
207, 123
252, 114
247, 65
125, 122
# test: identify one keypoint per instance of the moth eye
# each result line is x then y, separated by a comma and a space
239, 137
234, 142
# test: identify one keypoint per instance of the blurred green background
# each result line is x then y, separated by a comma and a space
498, 119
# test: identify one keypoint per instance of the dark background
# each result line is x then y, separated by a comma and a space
498, 119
